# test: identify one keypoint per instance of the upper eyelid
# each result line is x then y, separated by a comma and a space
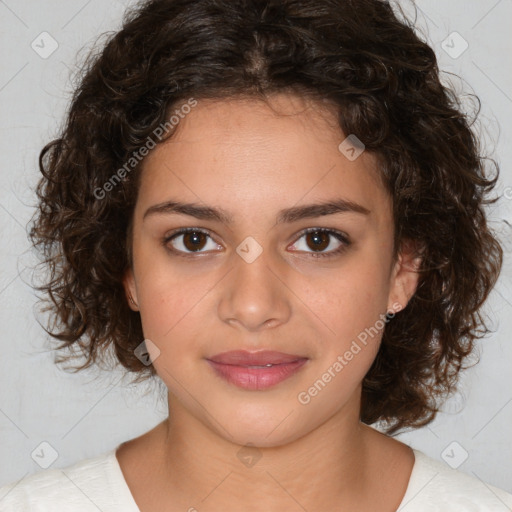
325, 230
184, 231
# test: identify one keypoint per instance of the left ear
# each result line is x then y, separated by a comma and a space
404, 279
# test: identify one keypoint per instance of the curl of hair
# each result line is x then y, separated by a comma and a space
384, 83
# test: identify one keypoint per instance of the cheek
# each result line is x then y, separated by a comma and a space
169, 300
353, 307
352, 299
169, 321
353, 310
167, 308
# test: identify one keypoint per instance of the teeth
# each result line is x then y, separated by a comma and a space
261, 366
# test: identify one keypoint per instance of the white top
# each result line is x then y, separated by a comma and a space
98, 484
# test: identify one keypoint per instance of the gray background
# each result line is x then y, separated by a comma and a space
85, 414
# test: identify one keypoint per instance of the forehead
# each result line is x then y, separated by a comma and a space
286, 150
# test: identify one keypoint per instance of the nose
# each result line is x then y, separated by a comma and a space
255, 295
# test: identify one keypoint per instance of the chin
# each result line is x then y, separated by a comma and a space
264, 428
262, 438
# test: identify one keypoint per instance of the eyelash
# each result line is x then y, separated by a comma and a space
345, 242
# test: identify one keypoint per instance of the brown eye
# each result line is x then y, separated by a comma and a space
318, 240
189, 240
194, 241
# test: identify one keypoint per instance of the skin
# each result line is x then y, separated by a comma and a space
252, 161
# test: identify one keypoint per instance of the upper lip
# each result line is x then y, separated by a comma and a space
263, 357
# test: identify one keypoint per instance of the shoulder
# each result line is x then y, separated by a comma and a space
89, 485
436, 487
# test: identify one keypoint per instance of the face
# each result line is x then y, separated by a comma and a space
263, 266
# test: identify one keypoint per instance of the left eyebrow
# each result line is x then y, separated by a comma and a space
287, 215
320, 209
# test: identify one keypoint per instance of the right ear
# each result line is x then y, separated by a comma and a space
130, 289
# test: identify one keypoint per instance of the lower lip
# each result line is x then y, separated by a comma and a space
257, 378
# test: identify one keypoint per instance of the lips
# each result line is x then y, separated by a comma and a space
256, 370
262, 358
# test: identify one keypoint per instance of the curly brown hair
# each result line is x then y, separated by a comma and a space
362, 57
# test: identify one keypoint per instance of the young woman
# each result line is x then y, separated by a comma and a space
276, 208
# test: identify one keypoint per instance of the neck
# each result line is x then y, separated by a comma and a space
211, 472
182, 464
